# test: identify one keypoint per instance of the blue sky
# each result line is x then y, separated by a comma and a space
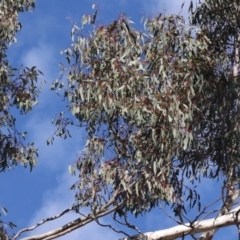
44, 192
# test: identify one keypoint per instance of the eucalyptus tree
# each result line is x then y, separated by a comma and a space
216, 130
160, 107
219, 20
18, 89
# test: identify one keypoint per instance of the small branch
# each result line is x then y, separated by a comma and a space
106, 225
109, 225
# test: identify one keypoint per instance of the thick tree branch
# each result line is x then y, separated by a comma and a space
229, 219
229, 202
69, 227
42, 222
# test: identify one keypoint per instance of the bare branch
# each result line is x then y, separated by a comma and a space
42, 222
69, 227
77, 223
110, 226
229, 202
229, 219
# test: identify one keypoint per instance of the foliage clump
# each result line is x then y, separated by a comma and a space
156, 106
18, 88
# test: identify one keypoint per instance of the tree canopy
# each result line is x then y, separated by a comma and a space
160, 105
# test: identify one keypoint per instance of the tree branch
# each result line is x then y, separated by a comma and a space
229, 202
229, 219
42, 222
69, 227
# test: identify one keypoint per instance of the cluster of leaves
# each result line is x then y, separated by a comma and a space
143, 97
219, 116
18, 88
4, 225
